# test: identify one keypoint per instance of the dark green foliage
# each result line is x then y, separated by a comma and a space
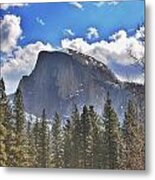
3, 131
67, 159
57, 143
41, 140
10, 141
85, 154
7, 134
111, 135
19, 111
97, 139
32, 150
75, 138
44, 141
21, 142
86, 140
133, 136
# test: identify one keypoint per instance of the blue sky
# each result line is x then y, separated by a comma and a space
59, 16
50, 23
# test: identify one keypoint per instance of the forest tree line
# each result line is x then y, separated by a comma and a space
85, 140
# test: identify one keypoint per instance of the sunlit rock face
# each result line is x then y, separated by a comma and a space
62, 79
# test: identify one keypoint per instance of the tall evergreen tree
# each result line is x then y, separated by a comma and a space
67, 158
7, 129
32, 150
3, 131
112, 136
20, 131
96, 134
57, 143
75, 137
133, 139
36, 140
85, 140
44, 141
41, 141
10, 142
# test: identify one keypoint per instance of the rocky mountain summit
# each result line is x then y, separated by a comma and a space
62, 79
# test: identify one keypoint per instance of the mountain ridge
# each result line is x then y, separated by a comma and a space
61, 79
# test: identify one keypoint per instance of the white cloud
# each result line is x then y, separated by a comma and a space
22, 37
114, 3
21, 63
40, 21
109, 2
10, 32
76, 44
99, 4
115, 50
119, 35
68, 32
140, 33
121, 51
92, 33
77, 5
7, 6
112, 52
18, 61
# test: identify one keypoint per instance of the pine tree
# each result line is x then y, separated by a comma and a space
57, 143
133, 139
41, 141
6, 124
75, 137
32, 151
44, 141
96, 134
20, 131
67, 145
3, 131
10, 138
36, 140
85, 140
112, 136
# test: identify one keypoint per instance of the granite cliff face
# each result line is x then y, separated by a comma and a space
62, 79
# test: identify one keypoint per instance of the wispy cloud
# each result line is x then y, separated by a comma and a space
7, 6
40, 21
99, 4
92, 33
77, 5
112, 2
22, 37
68, 32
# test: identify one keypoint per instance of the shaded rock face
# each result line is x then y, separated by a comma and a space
62, 79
